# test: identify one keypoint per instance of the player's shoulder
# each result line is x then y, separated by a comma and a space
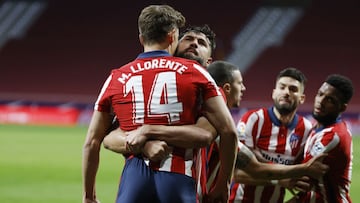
188, 62
249, 116
255, 111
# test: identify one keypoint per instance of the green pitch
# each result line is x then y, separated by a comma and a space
43, 164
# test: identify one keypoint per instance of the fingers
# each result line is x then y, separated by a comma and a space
132, 148
302, 186
321, 157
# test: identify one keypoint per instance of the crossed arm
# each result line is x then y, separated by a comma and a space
249, 170
155, 141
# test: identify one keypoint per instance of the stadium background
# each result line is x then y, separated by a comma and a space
60, 59
54, 62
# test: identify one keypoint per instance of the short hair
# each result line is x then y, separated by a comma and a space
222, 72
293, 73
343, 85
204, 29
156, 21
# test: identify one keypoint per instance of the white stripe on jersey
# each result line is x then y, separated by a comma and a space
274, 138
106, 84
207, 76
260, 113
189, 156
166, 164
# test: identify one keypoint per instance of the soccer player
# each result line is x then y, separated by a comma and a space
332, 136
276, 135
157, 88
197, 43
229, 79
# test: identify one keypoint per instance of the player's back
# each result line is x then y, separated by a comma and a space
159, 90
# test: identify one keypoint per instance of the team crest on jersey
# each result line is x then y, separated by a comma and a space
241, 131
294, 140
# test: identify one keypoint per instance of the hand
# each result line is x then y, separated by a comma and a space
302, 184
156, 150
316, 168
136, 139
218, 194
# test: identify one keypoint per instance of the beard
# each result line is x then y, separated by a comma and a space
325, 119
191, 56
285, 109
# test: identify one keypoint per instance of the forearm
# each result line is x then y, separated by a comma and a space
219, 116
241, 176
262, 173
100, 121
90, 167
250, 171
228, 145
116, 142
189, 136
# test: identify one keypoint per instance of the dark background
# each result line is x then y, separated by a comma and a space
69, 50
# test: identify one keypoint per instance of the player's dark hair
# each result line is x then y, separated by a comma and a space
222, 72
293, 73
343, 85
206, 30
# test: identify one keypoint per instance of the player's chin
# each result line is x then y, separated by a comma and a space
317, 111
236, 105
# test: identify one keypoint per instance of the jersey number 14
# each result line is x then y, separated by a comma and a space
163, 87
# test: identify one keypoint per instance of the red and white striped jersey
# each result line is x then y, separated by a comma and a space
260, 129
208, 164
157, 88
336, 141
209, 168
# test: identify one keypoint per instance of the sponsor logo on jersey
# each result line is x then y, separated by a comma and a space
278, 158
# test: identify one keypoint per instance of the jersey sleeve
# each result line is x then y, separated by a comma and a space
210, 89
103, 102
246, 127
325, 143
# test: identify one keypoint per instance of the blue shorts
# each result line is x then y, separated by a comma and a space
140, 184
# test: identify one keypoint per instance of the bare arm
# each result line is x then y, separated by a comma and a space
186, 136
189, 136
219, 116
250, 171
100, 122
155, 150
116, 141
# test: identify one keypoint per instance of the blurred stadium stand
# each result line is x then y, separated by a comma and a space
71, 46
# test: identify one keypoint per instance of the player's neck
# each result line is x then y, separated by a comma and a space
157, 47
285, 119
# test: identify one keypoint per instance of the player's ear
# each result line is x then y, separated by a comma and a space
226, 87
171, 36
302, 98
141, 39
343, 107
